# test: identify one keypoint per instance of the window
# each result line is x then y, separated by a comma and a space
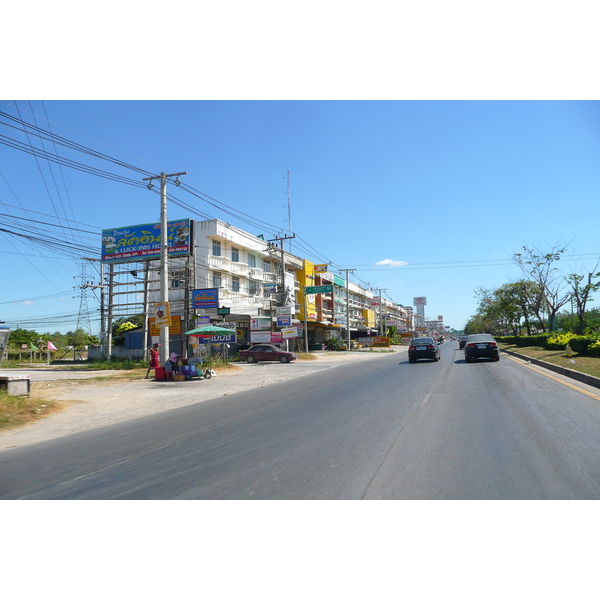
216, 280
235, 255
254, 288
216, 248
251, 260
177, 279
266, 266
235, 284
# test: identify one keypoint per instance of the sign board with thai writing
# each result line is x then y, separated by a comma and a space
142, 242
207, 298
283, 310
260, 337
420, 301
321, 268
381, 342
318, 289
218, 339
291, 332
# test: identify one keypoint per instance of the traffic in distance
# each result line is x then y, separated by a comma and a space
476, 346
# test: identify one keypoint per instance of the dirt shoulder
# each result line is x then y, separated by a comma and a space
84, 404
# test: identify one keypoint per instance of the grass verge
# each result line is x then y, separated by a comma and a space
583, 364
16, 411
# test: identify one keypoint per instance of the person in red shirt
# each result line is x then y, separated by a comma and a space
154, 359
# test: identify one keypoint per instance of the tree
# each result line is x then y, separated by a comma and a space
540, 267
78, 338
23, 336
581, 294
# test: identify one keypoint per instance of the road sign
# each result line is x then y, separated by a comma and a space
319, 289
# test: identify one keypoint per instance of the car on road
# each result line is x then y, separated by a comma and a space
462, 340
260, 352
481, 345
424, 347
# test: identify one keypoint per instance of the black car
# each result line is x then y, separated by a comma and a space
462, 340
481, 345
424, 347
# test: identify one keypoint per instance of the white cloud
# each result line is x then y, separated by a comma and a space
388, 262
26, 302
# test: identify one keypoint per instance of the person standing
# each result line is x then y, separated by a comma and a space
154, 359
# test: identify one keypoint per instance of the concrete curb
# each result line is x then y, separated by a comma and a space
582, 377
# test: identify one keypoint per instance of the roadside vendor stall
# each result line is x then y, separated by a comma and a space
211, 334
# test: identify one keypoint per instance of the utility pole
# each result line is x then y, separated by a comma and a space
282, 300
164, 255
282, 239
347, 306
381, 324
102, 309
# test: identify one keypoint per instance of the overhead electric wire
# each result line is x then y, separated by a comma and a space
44, 134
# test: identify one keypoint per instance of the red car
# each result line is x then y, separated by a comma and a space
266, 352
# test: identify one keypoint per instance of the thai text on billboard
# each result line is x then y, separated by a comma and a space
142, 242
207, 298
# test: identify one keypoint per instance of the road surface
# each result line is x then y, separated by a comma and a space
379, 429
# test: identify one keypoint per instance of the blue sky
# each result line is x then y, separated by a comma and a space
451, 188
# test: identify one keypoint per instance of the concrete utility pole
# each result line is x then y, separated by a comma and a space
381, 324
282, 300
102, 309
164, 255
347, 307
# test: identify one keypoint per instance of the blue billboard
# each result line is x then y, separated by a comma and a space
207, 298
142, 242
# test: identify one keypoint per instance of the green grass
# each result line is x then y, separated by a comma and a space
589, 365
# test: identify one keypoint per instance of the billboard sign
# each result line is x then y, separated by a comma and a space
284, 321
260, 337
142, 242
207, 298
174, 328
420, 301
260, 324
162, 314
218, 339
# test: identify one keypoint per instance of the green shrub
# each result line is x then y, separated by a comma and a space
594, 349
559, 341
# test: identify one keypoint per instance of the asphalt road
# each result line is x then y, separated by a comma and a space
383, 429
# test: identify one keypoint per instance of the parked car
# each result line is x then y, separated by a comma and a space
462, 340
481, 345
424, 347
266, 352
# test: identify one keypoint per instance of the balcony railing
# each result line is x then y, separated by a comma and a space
219, 262
239, 269
255, 273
